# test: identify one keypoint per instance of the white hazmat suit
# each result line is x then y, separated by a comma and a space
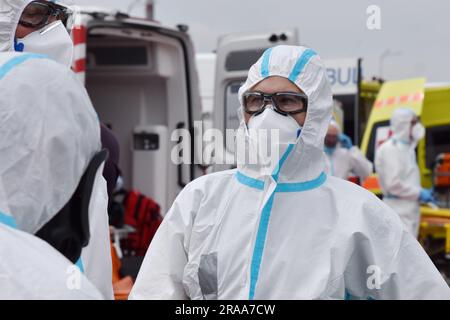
33, 270
398, 172
49, 132
292, 234
343, 162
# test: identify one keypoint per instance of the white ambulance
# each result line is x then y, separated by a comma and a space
142, 79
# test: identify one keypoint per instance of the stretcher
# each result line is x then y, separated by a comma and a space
435, 221
435, 224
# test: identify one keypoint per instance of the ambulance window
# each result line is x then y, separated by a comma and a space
437, 141
117, 56
242, 60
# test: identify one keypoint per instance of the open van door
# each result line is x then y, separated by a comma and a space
142, 80
236, 53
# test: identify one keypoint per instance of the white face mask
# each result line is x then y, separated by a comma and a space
270, 135
288, 127
417, 132
53, 41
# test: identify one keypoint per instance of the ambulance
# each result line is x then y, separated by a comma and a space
142, 79
431, 102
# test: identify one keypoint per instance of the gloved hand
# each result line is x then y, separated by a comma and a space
345, 141
426, 195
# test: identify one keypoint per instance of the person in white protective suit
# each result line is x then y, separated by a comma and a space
51, 164
44, 27
344, 159
284, 229
37, 27
398, 172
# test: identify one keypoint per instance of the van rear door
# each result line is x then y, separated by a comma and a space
142, 80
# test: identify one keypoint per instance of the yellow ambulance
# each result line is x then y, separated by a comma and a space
431, 102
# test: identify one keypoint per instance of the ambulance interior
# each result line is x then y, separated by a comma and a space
137, 82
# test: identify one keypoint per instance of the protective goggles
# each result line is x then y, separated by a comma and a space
38, 14
285, 103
